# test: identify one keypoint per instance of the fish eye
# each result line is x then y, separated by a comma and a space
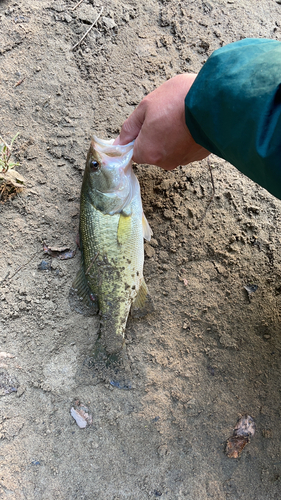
94, 165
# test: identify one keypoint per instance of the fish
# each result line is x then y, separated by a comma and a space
112, 229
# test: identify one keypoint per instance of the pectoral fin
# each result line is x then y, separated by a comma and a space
81, 298
146, 229
142, 304
123, 228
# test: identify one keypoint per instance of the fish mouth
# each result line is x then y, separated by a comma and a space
106, 146
113, 154
115, 191
106, 193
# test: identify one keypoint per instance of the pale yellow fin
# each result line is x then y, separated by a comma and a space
142, 304
146, 229
123, 228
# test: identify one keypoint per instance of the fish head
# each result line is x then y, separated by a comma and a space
109, 178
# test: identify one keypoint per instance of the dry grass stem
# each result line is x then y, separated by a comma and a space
88, 31
77, 5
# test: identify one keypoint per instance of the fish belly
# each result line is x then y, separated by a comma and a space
113, 256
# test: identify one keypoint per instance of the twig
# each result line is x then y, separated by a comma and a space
213, 186
77, 5
92, 262
88, 31
23, 28
19, 268
4, 279
19, 82
212, 178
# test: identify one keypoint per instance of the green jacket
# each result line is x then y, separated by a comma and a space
233, 109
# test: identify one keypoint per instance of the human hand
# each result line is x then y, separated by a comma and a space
159, 129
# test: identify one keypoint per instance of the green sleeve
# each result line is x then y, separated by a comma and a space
233, 109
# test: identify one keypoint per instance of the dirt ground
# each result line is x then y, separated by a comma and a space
210, 352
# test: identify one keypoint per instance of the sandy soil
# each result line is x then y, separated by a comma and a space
210, 352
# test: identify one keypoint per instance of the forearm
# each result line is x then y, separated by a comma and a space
233, 109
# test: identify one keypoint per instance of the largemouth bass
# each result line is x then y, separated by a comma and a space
112, 228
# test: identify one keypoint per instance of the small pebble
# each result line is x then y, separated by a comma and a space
267, 433
109, 23
149, 251
67, 18
80, 421
81, 415
44, 266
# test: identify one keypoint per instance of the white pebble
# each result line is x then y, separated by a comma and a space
80, 421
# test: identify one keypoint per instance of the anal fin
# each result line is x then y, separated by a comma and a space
143, 303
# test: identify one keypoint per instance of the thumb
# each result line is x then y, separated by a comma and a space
131, 127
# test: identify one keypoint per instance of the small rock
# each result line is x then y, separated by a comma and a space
245, 426
54, 264
163, 450
21, 391
227, 341
166, 184
207, 6
168, 214
81, 415
126, 17
8, 384
86, 13
250, 289
67, 18
9, 11
44, 266
80, 421
109, 23
267, 433
153, 242
149, 251
6, 355
171, 234
58, 6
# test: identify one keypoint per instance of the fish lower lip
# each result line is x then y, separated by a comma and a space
105, 192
